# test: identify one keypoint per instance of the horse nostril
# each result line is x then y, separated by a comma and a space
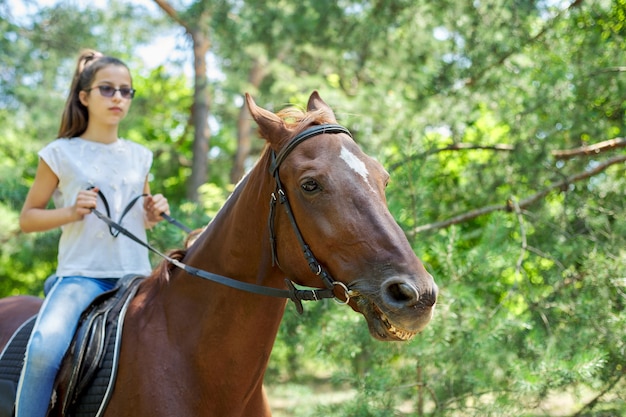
401, 294
429, 299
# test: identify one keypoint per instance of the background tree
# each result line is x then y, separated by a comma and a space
195, 21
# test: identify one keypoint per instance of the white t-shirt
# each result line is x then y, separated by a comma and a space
119, 170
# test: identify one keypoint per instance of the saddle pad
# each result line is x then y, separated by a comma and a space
93, 399
91, 393
11, 361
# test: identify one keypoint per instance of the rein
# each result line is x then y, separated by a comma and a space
292, 293
115, 231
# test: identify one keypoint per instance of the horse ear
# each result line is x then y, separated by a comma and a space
270, 125
316, 103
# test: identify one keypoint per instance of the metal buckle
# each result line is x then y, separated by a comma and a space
347, 293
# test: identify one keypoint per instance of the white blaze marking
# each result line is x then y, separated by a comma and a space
355, 164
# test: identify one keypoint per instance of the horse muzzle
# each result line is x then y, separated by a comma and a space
401, 309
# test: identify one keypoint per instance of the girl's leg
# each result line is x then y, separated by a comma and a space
52, 334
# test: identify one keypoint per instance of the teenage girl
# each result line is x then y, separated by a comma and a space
88, 158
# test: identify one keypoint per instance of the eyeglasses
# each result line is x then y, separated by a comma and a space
108, 91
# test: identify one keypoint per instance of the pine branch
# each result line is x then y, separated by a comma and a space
453, 147
608, 71
595, 400
559, 154
561, 185
172, 13
594, 149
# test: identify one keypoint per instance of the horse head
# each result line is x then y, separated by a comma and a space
339, 218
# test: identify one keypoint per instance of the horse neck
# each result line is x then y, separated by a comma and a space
235, 244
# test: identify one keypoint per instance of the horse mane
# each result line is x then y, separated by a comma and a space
161, 274
164, 269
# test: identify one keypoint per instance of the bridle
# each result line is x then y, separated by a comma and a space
280, 196
294, 294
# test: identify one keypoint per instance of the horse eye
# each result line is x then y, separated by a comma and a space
310, 186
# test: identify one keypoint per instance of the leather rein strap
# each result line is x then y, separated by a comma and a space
115, 231
294, 294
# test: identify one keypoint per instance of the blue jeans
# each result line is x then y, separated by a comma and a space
51, 337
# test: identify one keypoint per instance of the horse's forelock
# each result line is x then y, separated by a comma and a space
296, 119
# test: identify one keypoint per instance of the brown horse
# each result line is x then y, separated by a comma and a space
192, 347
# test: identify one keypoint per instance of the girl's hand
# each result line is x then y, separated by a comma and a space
154, 205
86, 201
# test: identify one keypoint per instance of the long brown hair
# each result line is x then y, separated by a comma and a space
75, 115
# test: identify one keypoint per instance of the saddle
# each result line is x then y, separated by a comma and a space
90, 364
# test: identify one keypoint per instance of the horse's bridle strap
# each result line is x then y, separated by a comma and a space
280, 195
301, 137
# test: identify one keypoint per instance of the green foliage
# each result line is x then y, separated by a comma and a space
25, 260
532, 302
465, 104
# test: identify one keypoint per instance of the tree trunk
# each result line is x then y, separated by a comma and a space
201, 105
200, 116
244, 124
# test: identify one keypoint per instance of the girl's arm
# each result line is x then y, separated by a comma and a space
35, 217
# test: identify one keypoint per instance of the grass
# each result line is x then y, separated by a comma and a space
291, 399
